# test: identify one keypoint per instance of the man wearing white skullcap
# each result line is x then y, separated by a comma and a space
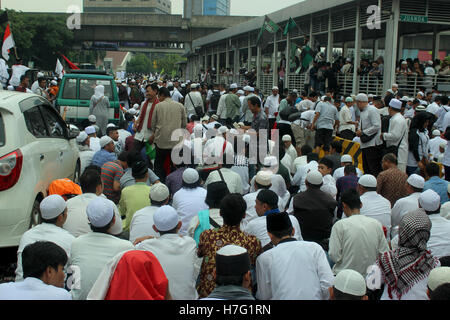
374, 205
232, 262
397, 137
346, 159
438, 277
53, 215
414, 187
192, 101
272, 105
85, 152
177, 255
92, 251
369, 133
190, 199
348, 285
246, 114
434, 144
94, 141
106, 153
314, 203
439, 242
290, 150
357, 241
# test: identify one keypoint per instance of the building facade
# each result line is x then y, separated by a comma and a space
128, 6
208, 7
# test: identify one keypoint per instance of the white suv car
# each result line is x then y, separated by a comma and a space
36, 147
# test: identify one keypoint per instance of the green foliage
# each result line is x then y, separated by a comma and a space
168, 63
140, 63
39, 37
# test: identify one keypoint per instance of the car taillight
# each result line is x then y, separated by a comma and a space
10, 168
116, 113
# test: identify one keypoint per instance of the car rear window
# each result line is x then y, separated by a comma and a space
2, 132
70, 89
87, 87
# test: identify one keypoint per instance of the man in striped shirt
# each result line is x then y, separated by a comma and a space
112, 171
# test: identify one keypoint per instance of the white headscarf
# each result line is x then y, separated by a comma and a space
99, 91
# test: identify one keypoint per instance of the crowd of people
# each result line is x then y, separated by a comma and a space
209, 191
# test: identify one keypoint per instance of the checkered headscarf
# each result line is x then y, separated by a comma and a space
411, 262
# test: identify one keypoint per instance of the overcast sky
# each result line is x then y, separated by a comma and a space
238, 7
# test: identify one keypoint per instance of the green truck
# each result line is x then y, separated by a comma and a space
76, 90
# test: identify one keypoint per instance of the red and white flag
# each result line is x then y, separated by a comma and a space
59, 69
8, 43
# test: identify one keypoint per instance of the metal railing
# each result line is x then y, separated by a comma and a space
296, 81
266, 83
410, 85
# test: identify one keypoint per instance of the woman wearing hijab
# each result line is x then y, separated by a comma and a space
418, 140
99, 108
279, 187
405, 270
131, 275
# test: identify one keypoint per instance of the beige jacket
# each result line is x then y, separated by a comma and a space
168, 117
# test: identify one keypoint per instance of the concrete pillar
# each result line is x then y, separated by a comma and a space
274, 61
205, 58
258, 66
330, 39
311, 36
375, 48
400, 47
357, 57
249, 59
390, 51
236, 63
218, 66
344, 49
288, 59
227, 54
436, 43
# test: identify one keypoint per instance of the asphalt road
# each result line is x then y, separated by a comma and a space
8, 261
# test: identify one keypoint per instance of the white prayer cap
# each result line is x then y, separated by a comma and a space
350, 282
420, 108
286, 137
233, 86
241, 92
52, 206
53, 82
314, 177
10, 88
416, 181
395, 85
370, 96
40, 75
136, 106
246, 138
159, 192
205, 118
429, 200
231, 250
190, 176
105, 140
349, 99
82, 137
348, 60
247, 88
391, 91
368, 181
133, 81
362, 97
183, 85
438, 276
421, 93
92, 118
264, 178
395, 104
347, 158
234, 131
445, 209
270, 161
443, 145
165, 218
89, 130
275, 88
132, 111
170, 84
430, 62
100, 212
111, 125
222, 130
194, 86
436, 133
405, 62
215, 117
423, 103
405, 98
118, 81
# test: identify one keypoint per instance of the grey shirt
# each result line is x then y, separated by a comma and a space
260, 121
328, 115
369, 124
128, 180
230, 292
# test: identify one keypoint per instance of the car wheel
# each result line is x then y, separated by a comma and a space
76, 174
35, 218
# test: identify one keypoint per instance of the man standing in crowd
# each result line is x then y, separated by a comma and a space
325, 120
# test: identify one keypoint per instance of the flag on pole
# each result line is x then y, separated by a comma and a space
8, 43
289, 26
59, 69
69, 63
268, 28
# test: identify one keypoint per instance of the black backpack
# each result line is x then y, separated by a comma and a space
214, 102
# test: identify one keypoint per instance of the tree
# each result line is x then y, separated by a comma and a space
168, 63
140, 63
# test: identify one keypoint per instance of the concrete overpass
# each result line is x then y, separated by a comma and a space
150, 27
